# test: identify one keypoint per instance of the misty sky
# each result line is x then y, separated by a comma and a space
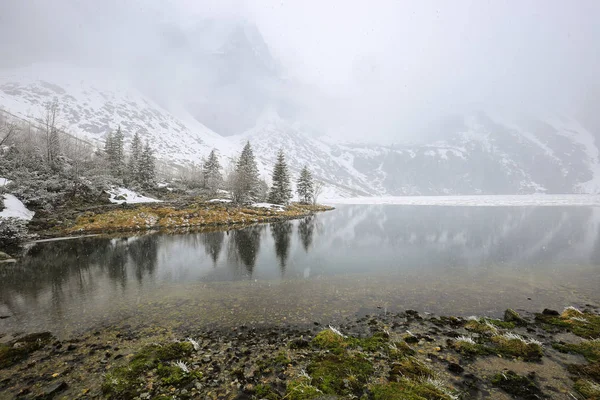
379, 70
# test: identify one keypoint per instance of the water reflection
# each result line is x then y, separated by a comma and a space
90, 276
282, 233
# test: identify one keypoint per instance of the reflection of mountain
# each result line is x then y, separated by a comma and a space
282, 233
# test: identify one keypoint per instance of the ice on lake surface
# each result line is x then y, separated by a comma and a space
459, 260
478, 201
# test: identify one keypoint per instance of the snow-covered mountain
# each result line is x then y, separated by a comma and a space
480, 152
91, 102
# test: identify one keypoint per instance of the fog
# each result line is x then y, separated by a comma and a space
359, 71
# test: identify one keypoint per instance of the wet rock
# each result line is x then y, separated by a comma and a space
511, 315
548, 311
455, 368
5, 258
52, 390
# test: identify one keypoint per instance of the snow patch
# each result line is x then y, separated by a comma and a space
219, 201
14, 208
4, 182
123, 195
277, 207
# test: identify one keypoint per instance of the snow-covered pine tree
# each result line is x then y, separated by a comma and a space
304, 186
246, 180
147, 167
281, 190
212, 172
133, 169
113, 146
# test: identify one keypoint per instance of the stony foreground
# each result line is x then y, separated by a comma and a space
385, 356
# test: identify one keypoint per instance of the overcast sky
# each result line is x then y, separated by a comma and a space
383, 66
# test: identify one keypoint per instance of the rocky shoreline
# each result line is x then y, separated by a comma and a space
403, 355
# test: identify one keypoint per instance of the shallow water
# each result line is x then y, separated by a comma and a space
356, 259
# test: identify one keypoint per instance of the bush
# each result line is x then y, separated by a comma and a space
12, 231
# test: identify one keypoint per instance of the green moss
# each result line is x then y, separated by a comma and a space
411, 368
522, 387
175, 376
584, 324
278, 362
18, 350
340, 374
588, 389
480, 327
590, 349
591, 370
329, 340
518, 348
301, 389
406, 389
469, 349
263, 391
126, 381
399, 350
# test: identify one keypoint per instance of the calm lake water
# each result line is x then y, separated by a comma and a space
356, 259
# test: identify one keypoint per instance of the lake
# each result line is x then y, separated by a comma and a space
357, 259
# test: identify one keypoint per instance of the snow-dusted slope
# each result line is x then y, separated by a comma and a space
272, 133
478, 153
91, 102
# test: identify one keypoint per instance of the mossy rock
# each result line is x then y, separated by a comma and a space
406, 389
588, 389
521, 387
302, 389
583, 324
411, 368
590, 349
591, 370
264, 391
518, 347
340, 374
470, 350
18, 350
329, 340
127, 381
511, 315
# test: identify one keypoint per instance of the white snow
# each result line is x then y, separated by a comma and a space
14, 208
130, 196
479, 201
4, 182
277, 207
219, 201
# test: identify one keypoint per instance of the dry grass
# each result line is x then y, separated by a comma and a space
197, 215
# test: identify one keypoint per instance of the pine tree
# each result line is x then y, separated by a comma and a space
133, 168
113, 147
212, 172
281, 191
304, 186
246, 180
146, 167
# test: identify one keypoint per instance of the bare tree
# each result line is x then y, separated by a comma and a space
51, 132
318, 187
6, 131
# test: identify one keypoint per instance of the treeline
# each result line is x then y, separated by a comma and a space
241, 179
50, 167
